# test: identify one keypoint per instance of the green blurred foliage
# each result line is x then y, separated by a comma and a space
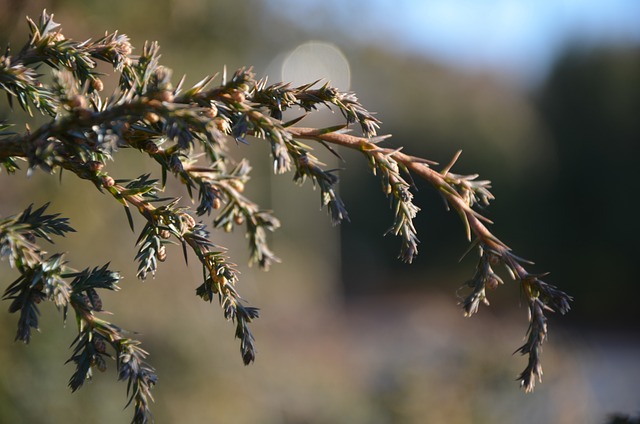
590, 104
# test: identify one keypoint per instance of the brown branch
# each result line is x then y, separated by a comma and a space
419, 167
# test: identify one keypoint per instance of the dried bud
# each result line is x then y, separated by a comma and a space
125, 48
238, 96
97, 84
57, 37
211, 112
107, 181
237, 185
161, 254
492, 283
188, 220
222, 125
77, 101
165, 96
151, 117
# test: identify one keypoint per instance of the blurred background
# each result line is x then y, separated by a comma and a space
542, 97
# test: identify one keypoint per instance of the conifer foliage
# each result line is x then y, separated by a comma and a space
187, 131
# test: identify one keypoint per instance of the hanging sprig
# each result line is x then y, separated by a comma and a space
44, 279
461, 193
